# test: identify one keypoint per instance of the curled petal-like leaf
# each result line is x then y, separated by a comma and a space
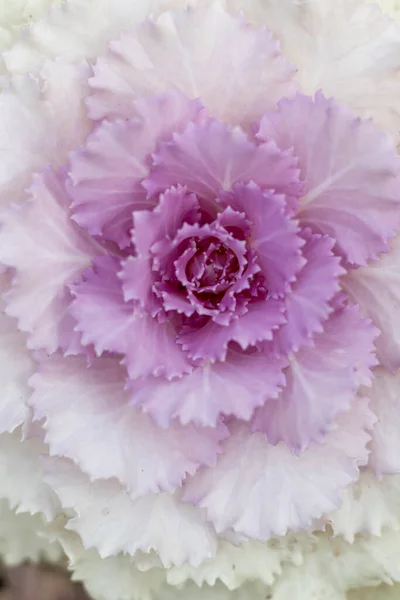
351, 172
111, 324
376, 288
307, 303
273, 235
174, 208
106, 174
110, 521
187, 50
241, 491
47, 254
233, 387
211, 340
208, 157
321, 381
384, 397
88, 419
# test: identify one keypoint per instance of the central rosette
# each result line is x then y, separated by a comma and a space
201, 265
210, 263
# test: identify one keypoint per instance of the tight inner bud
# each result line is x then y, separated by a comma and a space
213, 268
